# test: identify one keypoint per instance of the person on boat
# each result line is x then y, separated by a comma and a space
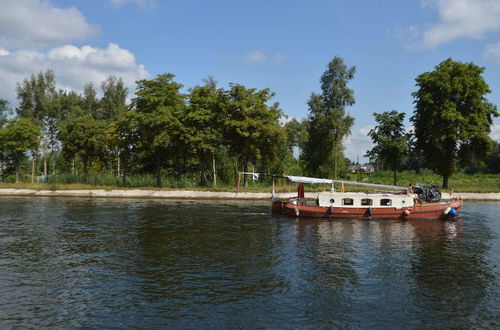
410, 191
301, 193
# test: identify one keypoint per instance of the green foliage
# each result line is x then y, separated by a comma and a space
36, 95
201, 132
112, 104
390, 139
493, 160
297, 134
328, 122
19, 136
460, 182
251, 127
452, 117
84, 137
158, 105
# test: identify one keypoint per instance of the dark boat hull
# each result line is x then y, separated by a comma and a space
418, 211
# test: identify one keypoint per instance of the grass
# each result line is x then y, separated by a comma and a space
461, 182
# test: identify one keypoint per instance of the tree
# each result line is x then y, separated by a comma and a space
113, 101
328, 121
493, 160
19, 136
125, 135
390, 139
251, 127
452, 116
90, 102
86, 137
37, 100
158, 104
201, 124
297, 135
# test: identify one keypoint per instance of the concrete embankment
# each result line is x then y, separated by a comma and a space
191, 194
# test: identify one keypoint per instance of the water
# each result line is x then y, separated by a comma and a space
67, 263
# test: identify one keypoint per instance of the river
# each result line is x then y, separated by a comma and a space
121, 263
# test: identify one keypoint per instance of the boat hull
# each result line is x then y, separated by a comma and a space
418, 211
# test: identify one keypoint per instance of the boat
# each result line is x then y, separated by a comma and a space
385, 202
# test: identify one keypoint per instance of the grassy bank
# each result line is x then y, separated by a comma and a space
461, 182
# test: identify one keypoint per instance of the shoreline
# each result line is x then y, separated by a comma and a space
192, 194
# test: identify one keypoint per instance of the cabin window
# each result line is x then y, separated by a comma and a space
385, 202
366, 201
332, 201
347, 201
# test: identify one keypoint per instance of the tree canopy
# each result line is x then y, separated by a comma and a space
452, 116
16, 138
251, 126
328, 122
158, 105
390, 139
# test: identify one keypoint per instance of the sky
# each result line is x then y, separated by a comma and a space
284, 45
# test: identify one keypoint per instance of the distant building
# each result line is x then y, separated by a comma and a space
368, 168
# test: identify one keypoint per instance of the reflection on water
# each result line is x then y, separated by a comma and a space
153, 263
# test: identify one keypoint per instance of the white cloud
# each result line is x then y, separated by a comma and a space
279, 58
73, 67
256, 57
492, 52
37, 24
140, 3
458, 19
495, 132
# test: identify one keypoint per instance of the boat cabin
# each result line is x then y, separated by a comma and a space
364, 200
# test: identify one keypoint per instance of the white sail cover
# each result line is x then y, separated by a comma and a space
308, 180
305, 179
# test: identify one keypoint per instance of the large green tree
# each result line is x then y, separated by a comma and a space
452, 116
251, 126
390, 139
329, 123
201, 128
125, 136
38, 100
159, 105
85, 137
19, 136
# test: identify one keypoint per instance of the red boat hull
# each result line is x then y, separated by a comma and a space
419, 211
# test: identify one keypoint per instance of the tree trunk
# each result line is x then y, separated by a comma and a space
335, 159
53, 160
33, 170
445, 181
85, 170
118, 164
18, 165
124, 175
245, 177
45, 170
213, 168
158, 167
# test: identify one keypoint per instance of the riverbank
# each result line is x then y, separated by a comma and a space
190, 194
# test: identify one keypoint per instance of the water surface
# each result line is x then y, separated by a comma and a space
79, 262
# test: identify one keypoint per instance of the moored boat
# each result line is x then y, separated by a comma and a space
388, 202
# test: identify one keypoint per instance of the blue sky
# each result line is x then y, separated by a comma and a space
282, 45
